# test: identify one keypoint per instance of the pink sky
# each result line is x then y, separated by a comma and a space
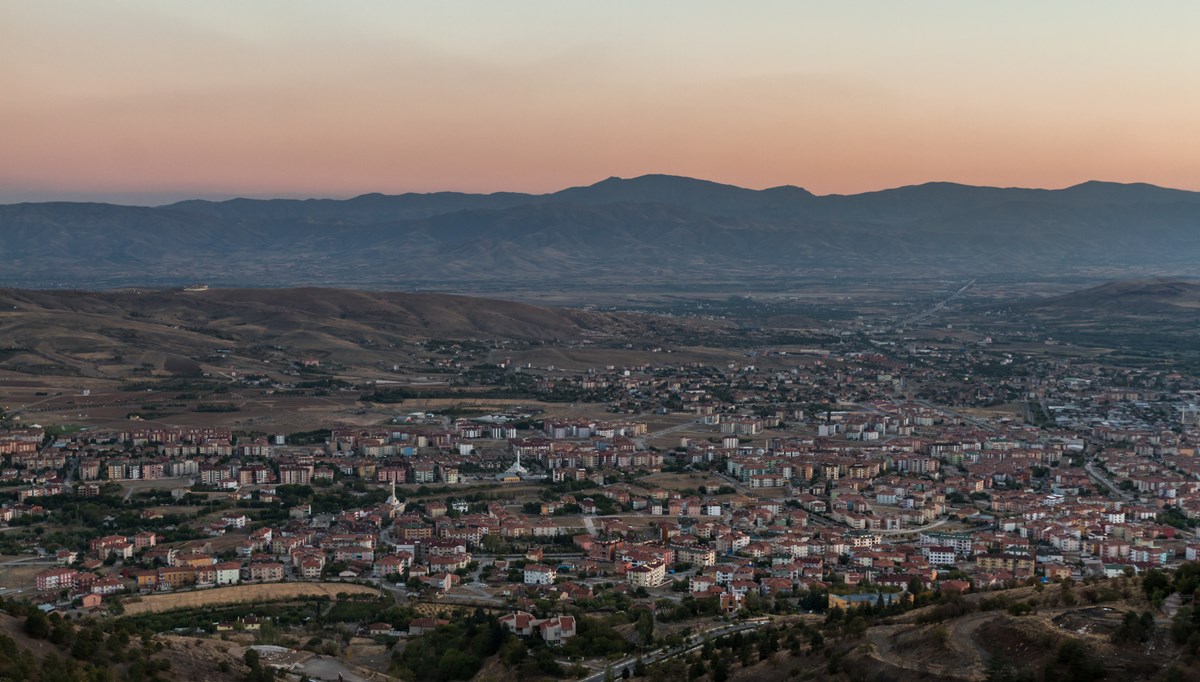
147, 100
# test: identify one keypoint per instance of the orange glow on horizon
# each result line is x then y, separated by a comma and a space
303, 99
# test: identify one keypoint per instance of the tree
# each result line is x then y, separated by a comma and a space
720, 670
856, 627
37, 625
257, 672
1074, 663
645, 627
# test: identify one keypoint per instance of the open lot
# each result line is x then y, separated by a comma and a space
17, 572
238, 594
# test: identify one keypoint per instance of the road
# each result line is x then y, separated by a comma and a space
966, 418
935, 308
695, 642
641, 440
328, 668
1103, 480
902, 531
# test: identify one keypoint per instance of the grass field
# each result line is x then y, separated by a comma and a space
239, 594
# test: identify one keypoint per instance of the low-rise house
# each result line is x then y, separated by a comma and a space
421, 626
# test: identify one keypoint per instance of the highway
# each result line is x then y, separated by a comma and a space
935, 308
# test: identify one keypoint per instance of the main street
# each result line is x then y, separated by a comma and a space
1103, 480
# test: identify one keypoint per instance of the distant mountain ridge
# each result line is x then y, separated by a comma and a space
650, 228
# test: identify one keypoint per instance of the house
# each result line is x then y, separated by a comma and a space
939, 556
91, 600
56, 578
107, 585
266, 572
421, 626
520, 623
380, 630
172, 577
311, 567
441, 581
539, 574
651, 574
392, 564
146, 580
227, 573
555, 631
235, 520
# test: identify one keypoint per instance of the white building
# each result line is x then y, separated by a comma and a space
538, 574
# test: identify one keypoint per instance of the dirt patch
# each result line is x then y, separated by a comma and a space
1101, 620
194, 658
238, 594
1006, 638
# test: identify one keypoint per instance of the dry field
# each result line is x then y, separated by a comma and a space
20, 576
238, 594
679, 481
1009, 410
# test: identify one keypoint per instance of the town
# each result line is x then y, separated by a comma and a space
666, 502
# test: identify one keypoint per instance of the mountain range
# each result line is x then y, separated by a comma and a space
654, 229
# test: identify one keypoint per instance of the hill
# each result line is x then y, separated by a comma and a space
114, 333
95, 649
1175, 297
655, 229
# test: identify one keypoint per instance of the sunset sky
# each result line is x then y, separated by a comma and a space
153, 100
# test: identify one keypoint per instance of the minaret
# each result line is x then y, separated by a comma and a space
392, 501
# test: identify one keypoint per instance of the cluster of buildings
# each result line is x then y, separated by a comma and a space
819, 471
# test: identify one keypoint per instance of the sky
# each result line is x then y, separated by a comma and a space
149, 101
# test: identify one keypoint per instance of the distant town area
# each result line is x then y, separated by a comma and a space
478, 511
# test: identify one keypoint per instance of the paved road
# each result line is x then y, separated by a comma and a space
327, 668
966, 418
695, 642
1103, 480
935, 308
902, 531
641, 440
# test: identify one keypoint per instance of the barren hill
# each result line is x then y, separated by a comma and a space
109, 333
1137, 297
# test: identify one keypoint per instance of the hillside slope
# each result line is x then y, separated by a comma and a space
83, 332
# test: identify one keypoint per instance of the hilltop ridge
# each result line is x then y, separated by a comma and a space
648, 230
